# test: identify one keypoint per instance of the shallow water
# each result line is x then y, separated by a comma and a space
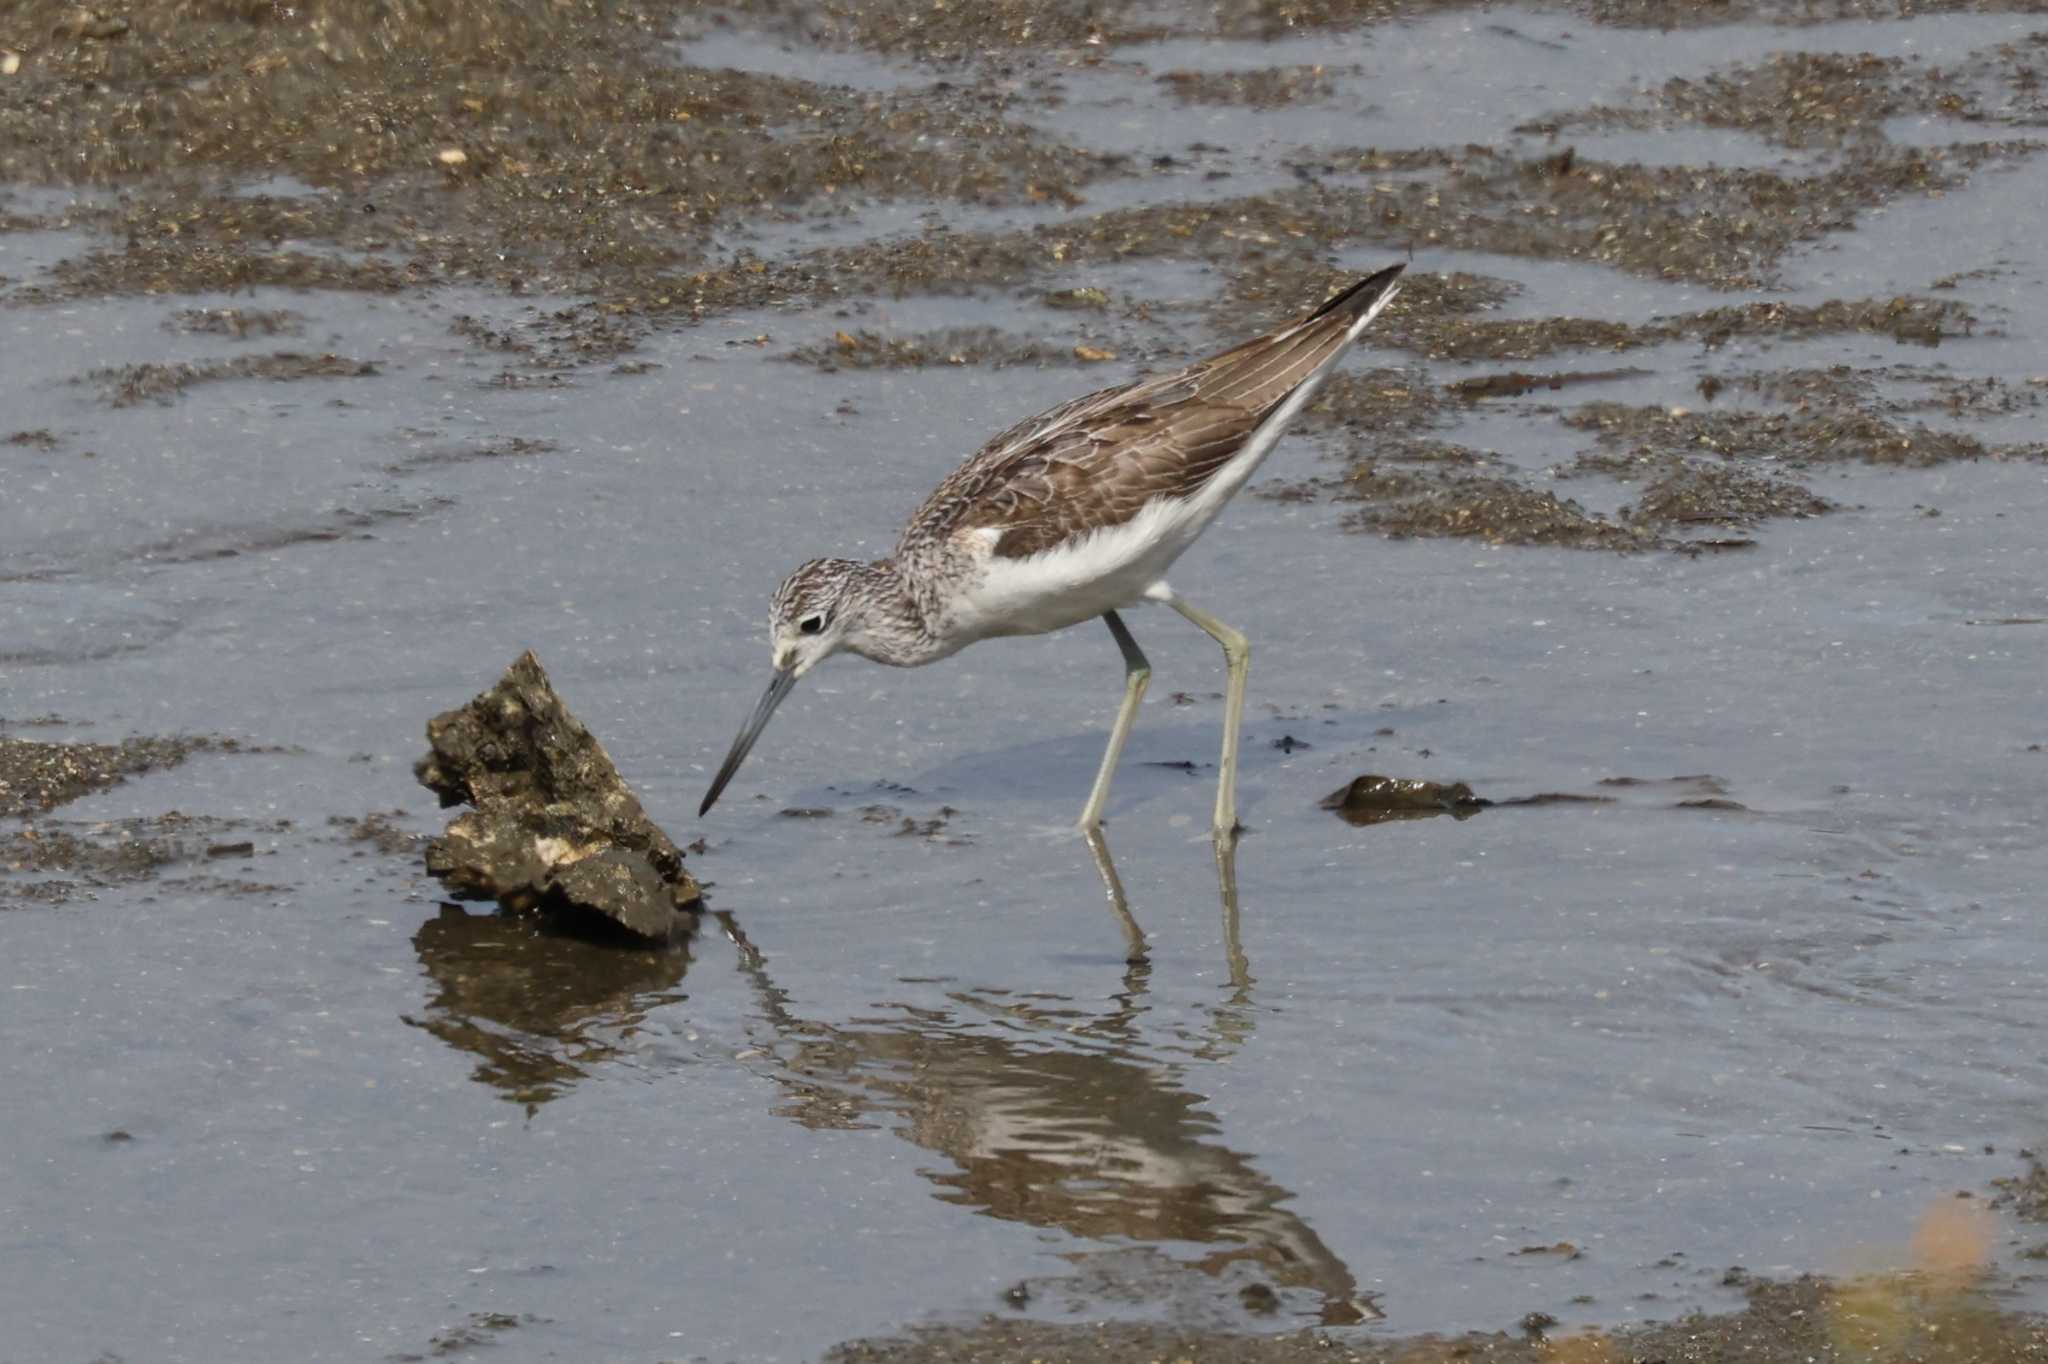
291, 1106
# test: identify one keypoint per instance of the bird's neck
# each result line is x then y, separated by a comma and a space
895, 624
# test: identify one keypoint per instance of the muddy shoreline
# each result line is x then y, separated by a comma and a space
545, 213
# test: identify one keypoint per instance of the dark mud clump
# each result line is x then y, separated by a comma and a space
132, 384
1373, 799
953, 346
554, 829
37, 776
39, 439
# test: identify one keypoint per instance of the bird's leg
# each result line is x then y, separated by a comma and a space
1137, 673
1119, 904
1233, 943
1237, 659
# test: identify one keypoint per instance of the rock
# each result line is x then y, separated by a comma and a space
554, 829
1372, 798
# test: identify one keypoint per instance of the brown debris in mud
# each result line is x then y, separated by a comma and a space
2025, 1194
1928, 1317
1688, 494
74, 859
1922, 321
1805, 437
952, 346
132, 384
1793, 99
1441, 316
1496, 510
36, 776
1265, 87
238, 323
554, 828
485, 138
1380, 401
1515, 383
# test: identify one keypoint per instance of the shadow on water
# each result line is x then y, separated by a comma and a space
1062, 1121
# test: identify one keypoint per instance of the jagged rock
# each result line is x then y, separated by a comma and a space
554, 828
1372, 799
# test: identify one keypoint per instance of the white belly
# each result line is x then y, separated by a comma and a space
1111, 568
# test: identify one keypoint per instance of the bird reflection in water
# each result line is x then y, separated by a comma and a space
1061, 1119
1048, 1113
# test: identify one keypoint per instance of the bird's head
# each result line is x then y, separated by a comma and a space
811, 618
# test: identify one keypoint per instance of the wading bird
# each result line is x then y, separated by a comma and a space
1073, 514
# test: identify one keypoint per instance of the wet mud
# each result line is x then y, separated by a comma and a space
1784, 1323
635, 303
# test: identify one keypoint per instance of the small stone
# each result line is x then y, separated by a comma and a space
80, 22
10, 62
452, 156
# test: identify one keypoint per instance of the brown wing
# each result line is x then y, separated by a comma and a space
1097, 460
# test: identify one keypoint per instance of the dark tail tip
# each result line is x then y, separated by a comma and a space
1359, 296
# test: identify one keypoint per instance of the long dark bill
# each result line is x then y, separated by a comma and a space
749, 732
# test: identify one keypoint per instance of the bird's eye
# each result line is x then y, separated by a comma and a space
810, 625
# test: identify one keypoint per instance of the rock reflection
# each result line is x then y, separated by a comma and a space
1060, 1120
538, 1009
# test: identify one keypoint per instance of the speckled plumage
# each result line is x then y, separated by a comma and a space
1071, 515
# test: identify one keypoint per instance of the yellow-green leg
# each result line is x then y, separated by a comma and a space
1237, 660
1137, 674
